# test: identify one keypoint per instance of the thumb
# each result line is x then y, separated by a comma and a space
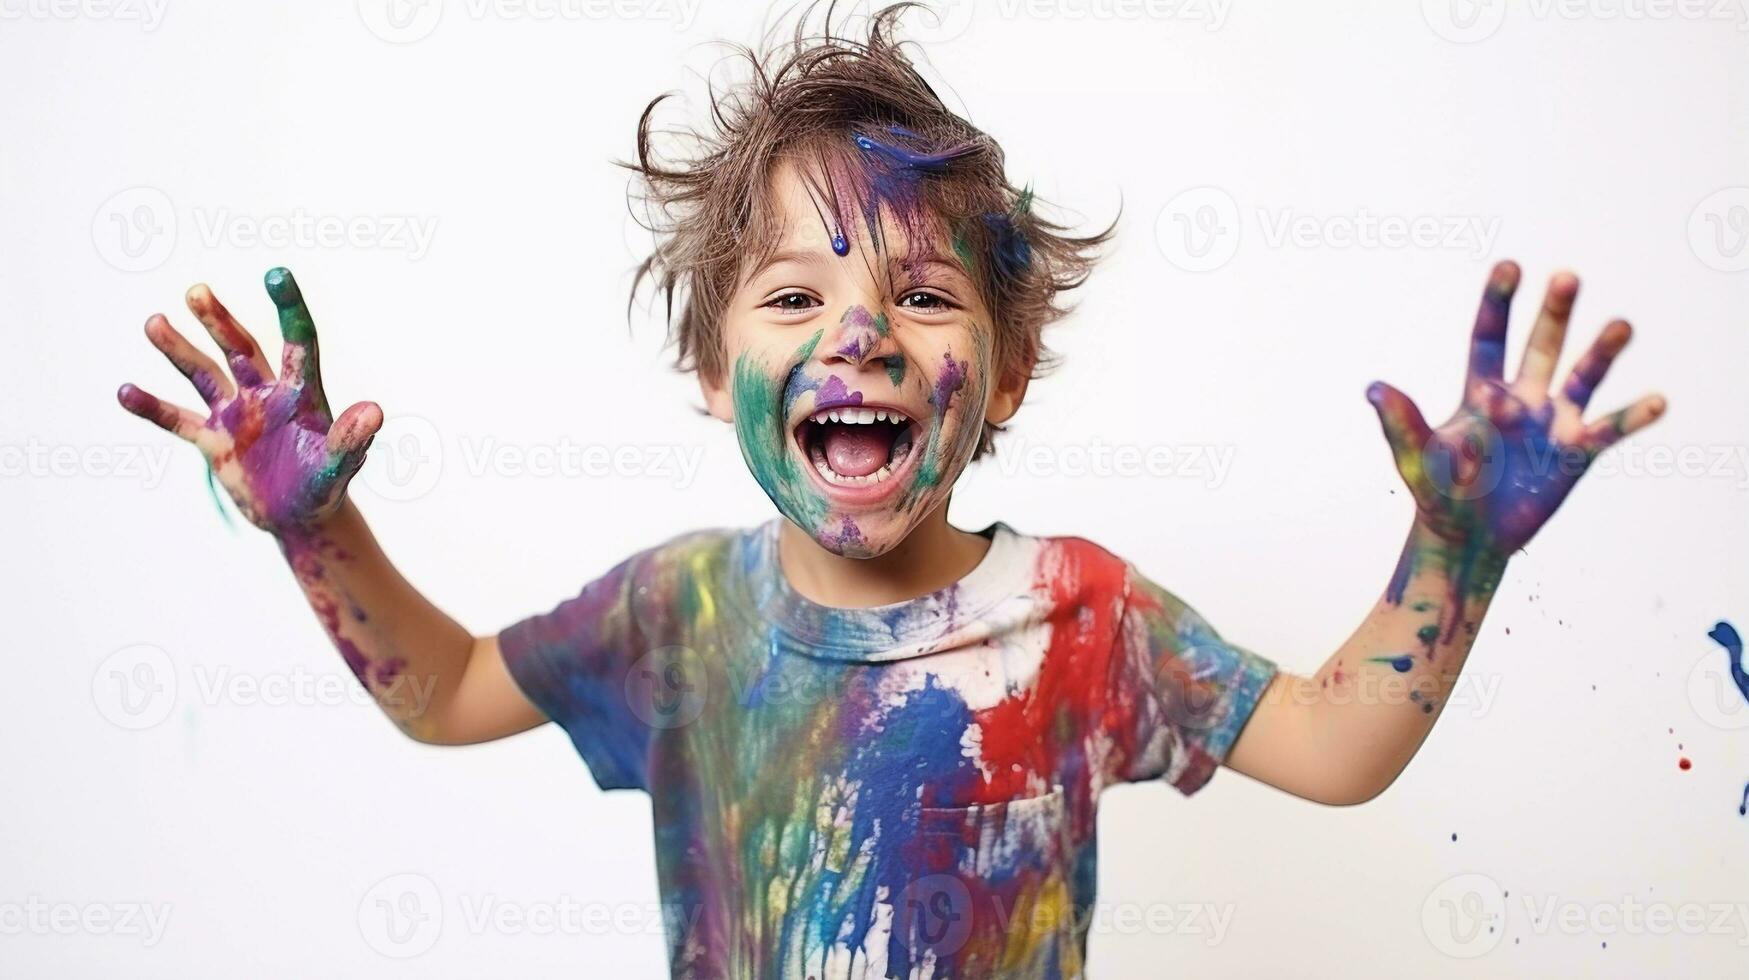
1405, 429
351, 435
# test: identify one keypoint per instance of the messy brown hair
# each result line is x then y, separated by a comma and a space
807, 99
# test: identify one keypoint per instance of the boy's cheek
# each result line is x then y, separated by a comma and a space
956, 387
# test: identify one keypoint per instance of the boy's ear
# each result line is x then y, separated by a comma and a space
717, 399
1005, 400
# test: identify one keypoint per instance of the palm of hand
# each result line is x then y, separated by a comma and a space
271, 442
1492, 475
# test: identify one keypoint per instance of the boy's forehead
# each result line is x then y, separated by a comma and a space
802, 200
801, 218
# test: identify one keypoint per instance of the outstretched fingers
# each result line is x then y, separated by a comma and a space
171, 418
1488, 339
1595, 362
1611, 429
298, 366
1544, 347
200, 370
248, 365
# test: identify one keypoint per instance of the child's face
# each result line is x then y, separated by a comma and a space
897, 346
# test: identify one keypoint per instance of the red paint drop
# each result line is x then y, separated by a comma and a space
1684, 765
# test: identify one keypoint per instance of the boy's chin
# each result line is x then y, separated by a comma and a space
863, 535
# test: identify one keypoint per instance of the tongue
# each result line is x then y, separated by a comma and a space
857, 450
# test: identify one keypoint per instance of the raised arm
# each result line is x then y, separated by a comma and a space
285, 460
1483, 483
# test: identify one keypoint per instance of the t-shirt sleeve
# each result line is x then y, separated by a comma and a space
573, 661
1182, 693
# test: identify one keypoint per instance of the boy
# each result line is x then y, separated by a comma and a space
874, 743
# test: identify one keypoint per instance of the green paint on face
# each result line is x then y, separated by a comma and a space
929, 470
760, 428
1428, 633
896, 369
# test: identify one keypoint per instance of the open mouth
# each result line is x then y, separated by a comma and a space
856, 446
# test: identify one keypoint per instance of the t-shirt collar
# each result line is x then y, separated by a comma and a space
897, 631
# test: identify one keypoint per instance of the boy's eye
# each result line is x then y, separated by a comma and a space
928, 301
794, 302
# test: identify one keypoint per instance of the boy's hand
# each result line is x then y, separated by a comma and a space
1493, 473
273, 443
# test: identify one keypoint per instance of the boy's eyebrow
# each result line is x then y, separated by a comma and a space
925, 258
901, 262
799, 255
812, 257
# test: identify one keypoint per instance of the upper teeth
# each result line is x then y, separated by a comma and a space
858, 416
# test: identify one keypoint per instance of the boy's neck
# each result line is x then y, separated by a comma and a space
933, 556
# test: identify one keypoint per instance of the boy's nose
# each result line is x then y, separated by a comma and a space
862, 336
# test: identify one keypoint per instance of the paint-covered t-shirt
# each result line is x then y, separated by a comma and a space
898, 791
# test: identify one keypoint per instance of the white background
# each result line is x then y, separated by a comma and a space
1586, 137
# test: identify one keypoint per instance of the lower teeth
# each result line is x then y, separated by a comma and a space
897, 452
833, 476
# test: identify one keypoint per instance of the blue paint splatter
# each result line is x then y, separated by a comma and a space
1725, 635
1400, 663
921, 749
